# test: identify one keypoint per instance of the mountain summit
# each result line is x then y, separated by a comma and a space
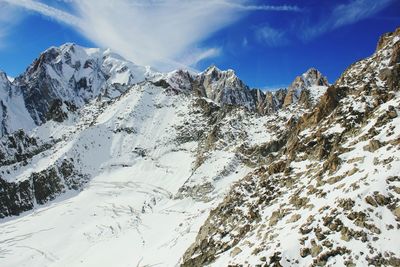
64, 79
311, 84
75, 75
115, 164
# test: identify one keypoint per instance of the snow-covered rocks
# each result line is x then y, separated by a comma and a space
331, 195
76, 75
202, 170
307, 88
224, 87
13, 113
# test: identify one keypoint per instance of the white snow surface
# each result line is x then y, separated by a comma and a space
127, 215
132, 211
12, 109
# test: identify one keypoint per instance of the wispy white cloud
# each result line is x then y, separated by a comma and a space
9, 16
162, 33
271, 36
339, 16
357, 10
158, 33
197, 55
46, 10
345, 14
292, 8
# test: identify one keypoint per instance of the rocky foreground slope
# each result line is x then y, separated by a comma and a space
331, 195
64, 91
103, 162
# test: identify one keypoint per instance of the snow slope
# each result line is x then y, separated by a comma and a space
130, 208
13, 113
331, 196
130, 167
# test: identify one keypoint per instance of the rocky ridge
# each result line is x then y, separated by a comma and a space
65, 78
99, 124
331, 195
66, 82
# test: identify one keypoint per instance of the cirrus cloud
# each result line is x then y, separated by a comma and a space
162, 33
271, 36
9, 16
344, 14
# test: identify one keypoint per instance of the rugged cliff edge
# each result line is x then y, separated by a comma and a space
70, 81
100, 157
331, 196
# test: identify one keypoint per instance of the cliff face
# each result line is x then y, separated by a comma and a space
66, 78
64, 91
306, 88
331, 195
98, 154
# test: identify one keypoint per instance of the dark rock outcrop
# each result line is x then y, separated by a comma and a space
41, 187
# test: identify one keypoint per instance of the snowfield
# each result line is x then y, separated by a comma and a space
128, 214
125, 217
115, 164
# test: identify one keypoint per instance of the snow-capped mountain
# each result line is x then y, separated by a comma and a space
106, 163
307, 88
331, 194
71, 75
224, 87
64, 79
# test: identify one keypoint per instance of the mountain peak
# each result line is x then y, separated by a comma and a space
76, 74
212, 68
312, 72
3, 75
215, 69
312, 81
5, 80
224, 87
387, 38
68, 46
4, 83
313, 77
212, 71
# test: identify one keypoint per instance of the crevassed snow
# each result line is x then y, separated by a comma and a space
127, 215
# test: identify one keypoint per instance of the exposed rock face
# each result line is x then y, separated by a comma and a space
386, 39
64, 79
5, 84
208, 243
224, 87
75, 74
5, 90
180, 80
59, 110
304, 87
315, 168
13, 114
41, 187
271, 101
19, 147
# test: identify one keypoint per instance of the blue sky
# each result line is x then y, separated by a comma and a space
267, 43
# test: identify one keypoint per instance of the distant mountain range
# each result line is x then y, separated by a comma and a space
107, 163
